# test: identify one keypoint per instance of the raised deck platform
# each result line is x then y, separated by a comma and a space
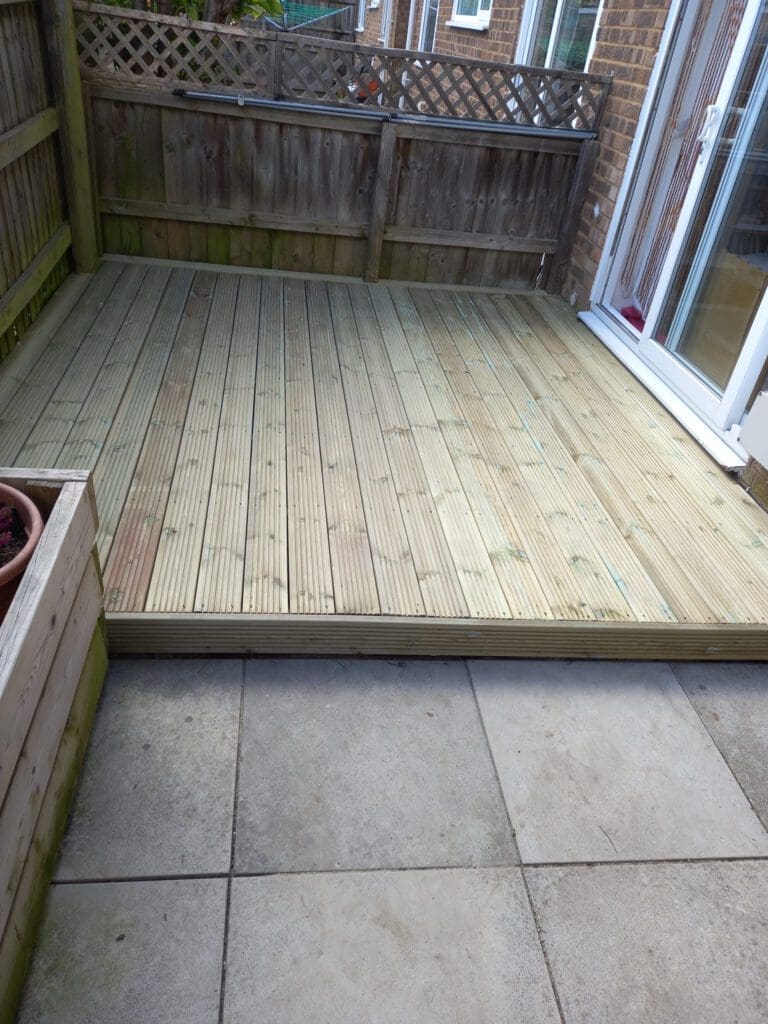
296, 464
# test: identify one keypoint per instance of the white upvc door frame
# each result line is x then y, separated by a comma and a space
719, 409
720, 412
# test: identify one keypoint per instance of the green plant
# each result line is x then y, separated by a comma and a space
223, 12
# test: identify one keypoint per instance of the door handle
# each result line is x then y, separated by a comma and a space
708, 132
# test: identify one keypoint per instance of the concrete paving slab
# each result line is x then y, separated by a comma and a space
608, 761
138, 952
732, 700
157, 791
447, 946
365, 763
666, 943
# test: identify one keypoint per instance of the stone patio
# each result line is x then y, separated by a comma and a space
323, 841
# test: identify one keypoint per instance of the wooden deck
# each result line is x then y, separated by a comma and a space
286, 463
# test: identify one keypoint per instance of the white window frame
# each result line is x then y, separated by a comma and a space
479, 21
360, 27
529, 21
422, 27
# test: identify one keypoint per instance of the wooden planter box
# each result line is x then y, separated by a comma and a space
53, 659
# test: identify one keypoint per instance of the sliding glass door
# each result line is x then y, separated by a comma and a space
688, 280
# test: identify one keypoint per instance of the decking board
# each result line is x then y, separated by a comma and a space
378, 468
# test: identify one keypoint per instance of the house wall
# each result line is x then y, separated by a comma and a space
498, 42
371, 35
627, 43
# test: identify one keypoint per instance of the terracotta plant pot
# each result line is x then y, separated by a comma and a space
10, 573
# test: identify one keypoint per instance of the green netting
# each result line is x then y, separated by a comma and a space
295, 14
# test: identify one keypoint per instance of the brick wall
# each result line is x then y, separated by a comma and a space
372, 34
755, 478
627, 42
497, 42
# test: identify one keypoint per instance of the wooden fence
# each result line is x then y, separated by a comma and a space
163, 52
368, 191
45, 195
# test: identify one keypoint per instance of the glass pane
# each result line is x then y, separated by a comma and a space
575, 34
543, 33
692, 82
430, 26
723, 271
466, 8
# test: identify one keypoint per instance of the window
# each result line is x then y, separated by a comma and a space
471, 14
558, 33
360, 27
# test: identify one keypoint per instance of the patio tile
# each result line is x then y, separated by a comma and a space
384, 947
609, 761
732, 700
365, 764
113, 952
157, 790
673, 943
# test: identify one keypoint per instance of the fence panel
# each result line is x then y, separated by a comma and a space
313, 192
32, 204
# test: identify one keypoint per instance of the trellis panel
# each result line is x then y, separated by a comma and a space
170, 52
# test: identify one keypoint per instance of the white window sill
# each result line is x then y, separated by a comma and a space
472, 24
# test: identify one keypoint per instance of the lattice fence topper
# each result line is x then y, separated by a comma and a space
167, 52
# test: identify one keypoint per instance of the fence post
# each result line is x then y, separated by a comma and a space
380, 202
59, 25
277, 68
582, 175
